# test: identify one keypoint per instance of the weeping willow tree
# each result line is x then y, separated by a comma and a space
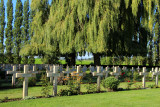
66, 28
156, 37
102, 27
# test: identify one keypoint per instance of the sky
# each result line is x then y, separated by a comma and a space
88, 55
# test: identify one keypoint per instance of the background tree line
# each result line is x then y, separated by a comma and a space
124, 29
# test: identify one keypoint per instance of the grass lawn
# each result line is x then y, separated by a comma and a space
144, 97
83, 62
36, 91
133, 98
38, 61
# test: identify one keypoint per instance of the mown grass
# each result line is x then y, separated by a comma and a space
36, 91
133, 98
38, 61
78, 62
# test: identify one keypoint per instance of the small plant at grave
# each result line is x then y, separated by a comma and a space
125, 74
152, 86
74, 83
63, 80
29, 97
1, 100
111, 83
32, 81
129, 83
91, 88
45, 86
136, 76
137, 86
66, 92
5, 98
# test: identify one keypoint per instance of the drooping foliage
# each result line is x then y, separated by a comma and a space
103, 27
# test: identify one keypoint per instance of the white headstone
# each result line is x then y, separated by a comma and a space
98, 74
144, 73
73, 69
138, 69
106, 71
68, 71
116, 72
55, 74
92, 69
152, 71
26, 75
156, 73
14, 74
61, 68
124, 68
84, 69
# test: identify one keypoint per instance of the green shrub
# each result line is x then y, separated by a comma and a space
45, 86
90, 86
136, 76
111, 83
32, 81
67, 92
152, 86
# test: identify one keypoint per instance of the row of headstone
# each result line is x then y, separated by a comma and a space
7, 67
57, 71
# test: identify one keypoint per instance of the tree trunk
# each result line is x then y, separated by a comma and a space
71, 59
97, 59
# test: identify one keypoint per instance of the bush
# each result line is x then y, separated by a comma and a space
67, 92
31, 81
45, 86
152, 86
111, 83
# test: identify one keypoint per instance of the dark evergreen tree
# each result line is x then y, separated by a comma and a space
25, 29
9, 33
2, 28
17, 31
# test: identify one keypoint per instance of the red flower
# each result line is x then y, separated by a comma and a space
123, 73
128, 81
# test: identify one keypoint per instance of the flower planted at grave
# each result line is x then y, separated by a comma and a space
129, 84
111, 83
